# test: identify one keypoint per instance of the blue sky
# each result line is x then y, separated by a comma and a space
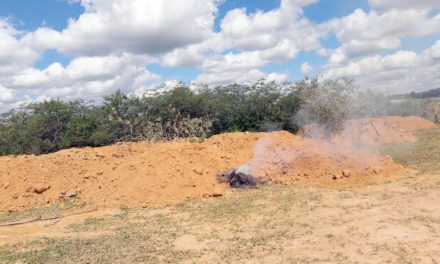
133, 45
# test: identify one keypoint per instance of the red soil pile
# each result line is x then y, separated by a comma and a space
376, 131
285, 158
147, 174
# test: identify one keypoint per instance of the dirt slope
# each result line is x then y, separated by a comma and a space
145, 174
377, 131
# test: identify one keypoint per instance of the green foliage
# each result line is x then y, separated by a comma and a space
327, 103
179, 113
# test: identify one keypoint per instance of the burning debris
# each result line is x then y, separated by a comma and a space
238, 178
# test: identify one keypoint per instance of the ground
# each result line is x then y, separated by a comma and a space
396, 221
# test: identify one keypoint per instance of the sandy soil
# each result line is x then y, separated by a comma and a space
146, 174
377, 131
397, 222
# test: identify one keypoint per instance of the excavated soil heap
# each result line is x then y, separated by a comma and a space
145, 174
376, 131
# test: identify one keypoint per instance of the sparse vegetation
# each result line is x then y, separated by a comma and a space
273, 224
423, 155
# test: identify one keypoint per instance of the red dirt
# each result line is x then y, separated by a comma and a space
146, 174
377, 131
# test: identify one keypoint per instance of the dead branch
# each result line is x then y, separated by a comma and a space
40, 219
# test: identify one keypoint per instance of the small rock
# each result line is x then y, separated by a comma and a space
39, 189
12, 209
15, 196
118, 213
207, 195
376, 171
346, 173
71, 193
6, 185
144, 205
335, 176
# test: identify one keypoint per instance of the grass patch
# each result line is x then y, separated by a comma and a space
423, 155
147, 236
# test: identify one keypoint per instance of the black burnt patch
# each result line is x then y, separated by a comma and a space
237, 179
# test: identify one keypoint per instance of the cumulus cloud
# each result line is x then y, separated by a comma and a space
402, 71
244, 76
306, 68
404, 4
263, 30
136, 26
85, 77
14, 54
260, 38
363, 34
111, 44
6, 95
113, 41
244, 66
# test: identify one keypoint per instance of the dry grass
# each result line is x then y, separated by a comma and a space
423, 155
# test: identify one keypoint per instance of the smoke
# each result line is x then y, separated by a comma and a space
271, 156
328, 136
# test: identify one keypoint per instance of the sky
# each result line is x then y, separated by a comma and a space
70, 49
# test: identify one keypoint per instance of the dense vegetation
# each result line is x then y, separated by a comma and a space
49, 126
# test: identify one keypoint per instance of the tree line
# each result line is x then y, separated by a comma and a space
48, 126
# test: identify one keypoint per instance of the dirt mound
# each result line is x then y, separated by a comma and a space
376, 131
146, 174
285, 158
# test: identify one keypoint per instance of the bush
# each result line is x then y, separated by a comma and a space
327, 103
179, 113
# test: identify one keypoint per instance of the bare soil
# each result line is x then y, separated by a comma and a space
395, 222
147, 174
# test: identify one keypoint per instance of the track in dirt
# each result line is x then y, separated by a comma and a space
145, 174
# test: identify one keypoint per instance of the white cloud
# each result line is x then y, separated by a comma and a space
260, 38
377, 63
263, 30
433, 52
306, 68
244, 66
403, 71
363, 34
136, 26
14, 54
404, 4
183, 57
85, 77
6, 95
243, 76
